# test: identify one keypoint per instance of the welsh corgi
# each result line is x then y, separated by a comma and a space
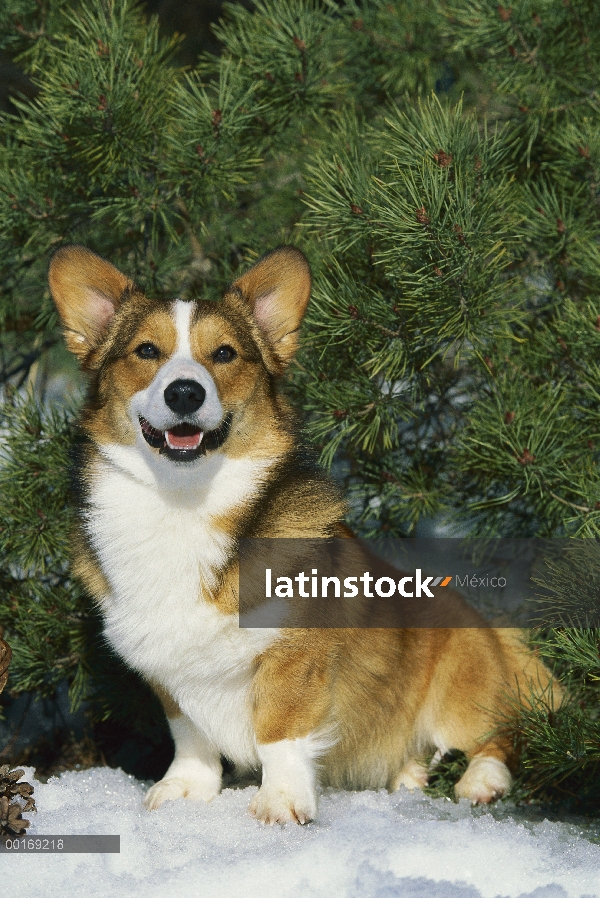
191, 446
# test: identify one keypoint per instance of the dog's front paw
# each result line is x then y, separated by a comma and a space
272, 805
174, 787
190, 781
484, 780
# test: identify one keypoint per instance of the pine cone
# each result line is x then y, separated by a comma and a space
5, 656
15, 798
11, 819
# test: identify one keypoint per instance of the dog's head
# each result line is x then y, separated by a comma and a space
181, 380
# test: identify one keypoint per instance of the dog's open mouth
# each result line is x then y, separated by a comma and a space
185, 442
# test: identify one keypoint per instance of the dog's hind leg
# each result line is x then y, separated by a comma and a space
196, 769
487, 777
414, 775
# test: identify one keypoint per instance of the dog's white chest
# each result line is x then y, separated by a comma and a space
157, 551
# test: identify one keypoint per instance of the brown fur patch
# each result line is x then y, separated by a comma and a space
292, 686
383, 693
87, 569
170, 706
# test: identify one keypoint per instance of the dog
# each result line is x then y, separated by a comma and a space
191, 446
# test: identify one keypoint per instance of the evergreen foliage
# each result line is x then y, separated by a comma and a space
439, 162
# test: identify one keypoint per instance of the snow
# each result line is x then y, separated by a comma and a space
363, 845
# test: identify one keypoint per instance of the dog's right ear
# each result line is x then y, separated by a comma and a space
87, 291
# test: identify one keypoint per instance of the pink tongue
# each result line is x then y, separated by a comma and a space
183, 441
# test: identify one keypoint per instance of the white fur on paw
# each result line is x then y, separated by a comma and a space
186, 778
271, 805
484, 780
413, 775
173, 787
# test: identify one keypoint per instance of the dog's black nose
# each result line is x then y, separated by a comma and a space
185, 396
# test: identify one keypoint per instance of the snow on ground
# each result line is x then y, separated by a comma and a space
364, 845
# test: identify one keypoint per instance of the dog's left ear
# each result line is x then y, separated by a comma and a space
278, 289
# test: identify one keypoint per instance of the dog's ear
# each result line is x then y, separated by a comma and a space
87, 291
277, 288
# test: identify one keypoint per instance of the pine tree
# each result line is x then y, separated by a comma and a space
439, 163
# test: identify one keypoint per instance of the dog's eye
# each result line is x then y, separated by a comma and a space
147, 351
224, 354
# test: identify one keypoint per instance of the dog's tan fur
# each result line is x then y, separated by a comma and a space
379, 700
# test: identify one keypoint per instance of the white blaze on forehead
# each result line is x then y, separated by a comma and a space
182, 314
151, 404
